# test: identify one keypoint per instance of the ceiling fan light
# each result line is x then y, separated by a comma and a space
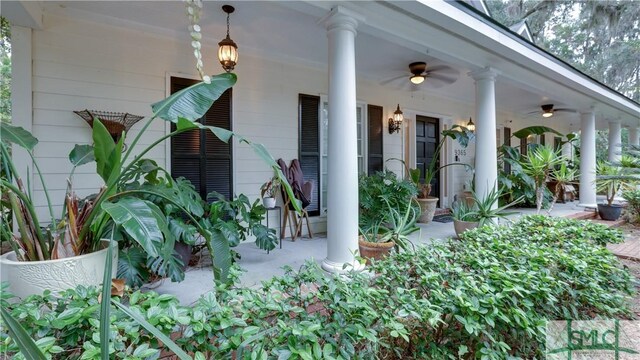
417, 79
547, 110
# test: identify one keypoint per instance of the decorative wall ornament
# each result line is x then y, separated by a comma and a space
115, 122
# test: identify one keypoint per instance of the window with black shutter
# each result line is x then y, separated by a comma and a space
374, 125
507, 142
200, 156
309, 145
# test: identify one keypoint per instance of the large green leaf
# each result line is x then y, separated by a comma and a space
25, 343
107, 153
193, 102
221, 255
81, 154
131, 266
139, 220
534, 130
135, 315
17, 135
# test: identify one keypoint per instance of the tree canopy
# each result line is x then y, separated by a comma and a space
599, 38
5, 70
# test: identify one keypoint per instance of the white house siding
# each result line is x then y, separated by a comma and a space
89, 65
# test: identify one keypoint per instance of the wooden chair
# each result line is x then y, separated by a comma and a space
294, 219
301, 188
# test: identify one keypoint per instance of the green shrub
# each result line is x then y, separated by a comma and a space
633, 205
487, 296
379, 191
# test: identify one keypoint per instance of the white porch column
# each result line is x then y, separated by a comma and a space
634, 136
615, 141
342, 190
588, 160
486, 167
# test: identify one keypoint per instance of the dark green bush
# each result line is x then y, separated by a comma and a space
487, 296
633, 205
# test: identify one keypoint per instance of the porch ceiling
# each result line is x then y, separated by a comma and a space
290, 31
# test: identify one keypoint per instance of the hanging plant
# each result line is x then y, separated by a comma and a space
194, 9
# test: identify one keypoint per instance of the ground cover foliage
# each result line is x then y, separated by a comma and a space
486, 296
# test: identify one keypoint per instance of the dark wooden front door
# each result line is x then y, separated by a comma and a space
427, 139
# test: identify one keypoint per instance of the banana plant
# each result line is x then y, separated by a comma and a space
85, 222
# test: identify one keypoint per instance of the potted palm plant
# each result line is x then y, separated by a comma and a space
268, 192
539, 164
561, 178
610, 180
377, 240
427, 202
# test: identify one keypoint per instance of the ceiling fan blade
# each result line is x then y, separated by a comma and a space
443, 70
387, 81
434, 83
445, 80
566, 110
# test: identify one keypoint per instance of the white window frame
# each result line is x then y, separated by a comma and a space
364, 148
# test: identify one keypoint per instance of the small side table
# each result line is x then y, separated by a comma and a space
279, 209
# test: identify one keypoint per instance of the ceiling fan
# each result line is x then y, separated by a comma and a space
548, 110
433, 76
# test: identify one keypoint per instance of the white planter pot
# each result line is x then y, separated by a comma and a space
33, 277
427, 209
269, 202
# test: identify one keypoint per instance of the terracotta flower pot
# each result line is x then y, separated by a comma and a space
33, 277
462, 226
427, 209
371, 250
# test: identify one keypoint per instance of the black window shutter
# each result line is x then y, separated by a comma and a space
309, 145
375, 128
542, 139
200, 156
523, 146
507, 142
557, 143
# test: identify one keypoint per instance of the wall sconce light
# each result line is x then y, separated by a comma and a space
471, 126
115, 122
395, 123
228, 50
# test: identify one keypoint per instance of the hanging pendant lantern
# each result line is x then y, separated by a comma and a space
228, 50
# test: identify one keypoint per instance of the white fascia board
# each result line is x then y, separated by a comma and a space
486, 35
22, 13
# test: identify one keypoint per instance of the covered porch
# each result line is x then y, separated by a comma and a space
258, 266
352, 57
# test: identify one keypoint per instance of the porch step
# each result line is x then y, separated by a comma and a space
594, 217
583, 215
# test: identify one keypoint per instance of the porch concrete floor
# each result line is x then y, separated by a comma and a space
261, 266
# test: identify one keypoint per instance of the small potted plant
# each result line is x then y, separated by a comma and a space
464, 217
484, 211
377, 240
609, 181
268, 192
